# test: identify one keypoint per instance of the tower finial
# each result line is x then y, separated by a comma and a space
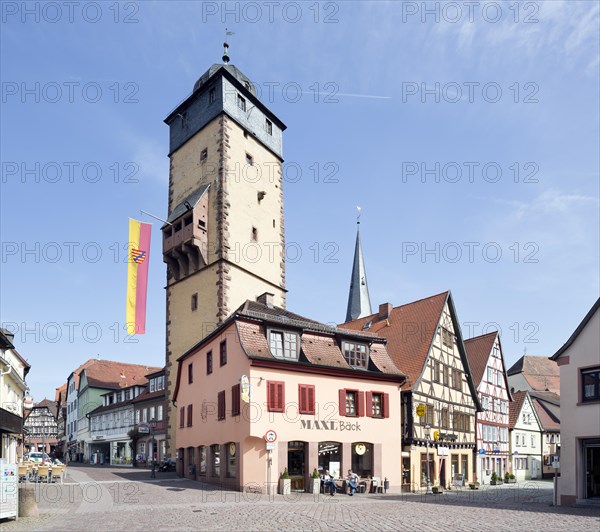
358, 209
226, 46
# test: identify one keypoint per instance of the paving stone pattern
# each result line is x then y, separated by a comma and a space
118, 499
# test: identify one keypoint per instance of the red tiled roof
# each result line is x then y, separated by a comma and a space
319, 342
514, 408
78, 371
548, 421
319, 348
478, 352
147, 396
409, 330
540, 372
61, 394
113, 375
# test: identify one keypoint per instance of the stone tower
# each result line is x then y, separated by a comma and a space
224, 237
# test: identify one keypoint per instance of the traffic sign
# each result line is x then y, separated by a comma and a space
270, 436
421, 410
270, 446
143, 429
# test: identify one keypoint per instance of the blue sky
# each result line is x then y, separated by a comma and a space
393, 105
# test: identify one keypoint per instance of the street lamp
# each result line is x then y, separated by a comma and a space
152, 424
427, 436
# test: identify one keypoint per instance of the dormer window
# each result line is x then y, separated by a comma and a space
241, 102
284, 344
355, 354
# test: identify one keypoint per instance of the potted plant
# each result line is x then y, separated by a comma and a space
316, 482
437, 489
511, 479
285, 484
495, 479
474, 485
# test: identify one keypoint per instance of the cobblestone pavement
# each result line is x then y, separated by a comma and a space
117, 499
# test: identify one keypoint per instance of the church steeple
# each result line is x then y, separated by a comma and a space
359, 303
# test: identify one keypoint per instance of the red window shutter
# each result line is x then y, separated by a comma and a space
182, 416
369, 396
280, 396
386, 405
190, 415
275, 396
221, 405
310, 399
302, 407
235, 400
342, 396
360, 397
270, 396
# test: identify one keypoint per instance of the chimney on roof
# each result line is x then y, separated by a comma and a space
266, 299
385, 309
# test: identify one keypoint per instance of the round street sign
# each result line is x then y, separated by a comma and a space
270, 436
421, 410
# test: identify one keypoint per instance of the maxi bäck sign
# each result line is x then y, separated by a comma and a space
334, 424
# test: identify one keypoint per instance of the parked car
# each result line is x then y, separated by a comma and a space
41, 458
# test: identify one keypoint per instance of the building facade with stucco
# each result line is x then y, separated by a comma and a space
331, 397
579, 362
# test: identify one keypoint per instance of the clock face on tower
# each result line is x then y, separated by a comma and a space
232, 449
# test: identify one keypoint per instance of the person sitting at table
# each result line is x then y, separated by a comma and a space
352, 480
327, 479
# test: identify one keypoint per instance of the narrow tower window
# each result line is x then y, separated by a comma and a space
212, 95
204, 155
249, 159
268, 126
254, 234
195, 301
241, 102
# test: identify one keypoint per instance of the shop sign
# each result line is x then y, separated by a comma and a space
315, 424
245, 388
447, 436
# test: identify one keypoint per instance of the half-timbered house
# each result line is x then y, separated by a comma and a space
489, 373
425, 342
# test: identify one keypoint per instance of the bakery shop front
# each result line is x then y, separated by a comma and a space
270, 394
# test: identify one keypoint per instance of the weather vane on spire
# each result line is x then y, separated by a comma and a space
226, 46
358, 209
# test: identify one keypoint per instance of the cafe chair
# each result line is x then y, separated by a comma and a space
58, 473
43, 473
23, 473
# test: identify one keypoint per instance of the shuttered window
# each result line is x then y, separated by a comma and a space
190, 415
221, 405
235, 400
352, 403
182, 417
275, 396
378, 404
306, 398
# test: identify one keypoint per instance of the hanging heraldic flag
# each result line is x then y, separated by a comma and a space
137, 276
